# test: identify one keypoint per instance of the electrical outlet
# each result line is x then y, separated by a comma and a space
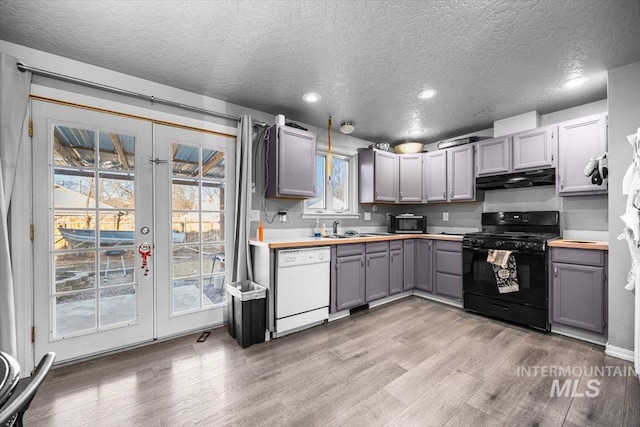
367, 216
254, 215
445, 216
388, 216
253, 187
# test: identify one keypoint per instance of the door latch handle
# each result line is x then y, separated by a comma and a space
157, 161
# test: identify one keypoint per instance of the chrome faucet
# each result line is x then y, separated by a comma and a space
335, 227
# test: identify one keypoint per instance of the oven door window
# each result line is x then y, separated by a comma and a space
479, 278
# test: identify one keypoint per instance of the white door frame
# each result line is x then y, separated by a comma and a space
23, 194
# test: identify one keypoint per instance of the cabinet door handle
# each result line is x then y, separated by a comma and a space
555, 272
444, 194
376, 194
362, 262
368, 261
552, 157
451, 194
401, 194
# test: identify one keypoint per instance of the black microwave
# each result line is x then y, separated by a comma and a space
408, 223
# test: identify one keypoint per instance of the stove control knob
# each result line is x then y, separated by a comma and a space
479, 242
518, 244
530, 245
499, 243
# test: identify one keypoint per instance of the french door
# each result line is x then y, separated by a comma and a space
103, 185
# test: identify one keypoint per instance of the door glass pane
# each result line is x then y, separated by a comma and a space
116, 190
116, 151
117, 266
186, 294
198, 216
73, 147
186, 261
117, 305
75, 312
87, 198
117, 228
213, 164
74, 271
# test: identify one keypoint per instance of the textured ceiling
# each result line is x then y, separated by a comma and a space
368, 59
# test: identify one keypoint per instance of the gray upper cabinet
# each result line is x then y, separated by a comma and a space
435, 176
493, 156
534, 148
461, 173
578, 141
578, 296
410, 177
291, 165
378, 172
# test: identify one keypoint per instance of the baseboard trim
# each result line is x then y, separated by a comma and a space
619, 352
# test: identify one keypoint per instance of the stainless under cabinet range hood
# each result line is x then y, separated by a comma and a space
532, 178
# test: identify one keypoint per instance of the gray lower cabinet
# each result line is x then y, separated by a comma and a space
578, 289
423, 263
448, 269
396, 271
377, 271
409, 272
349, 286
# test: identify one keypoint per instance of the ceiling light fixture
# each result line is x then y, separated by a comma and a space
347, 127
578, 81
415, 131
427, 93
311, 97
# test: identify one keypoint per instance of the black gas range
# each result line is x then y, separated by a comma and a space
517, 290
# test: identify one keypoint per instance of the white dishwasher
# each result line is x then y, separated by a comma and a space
302, 288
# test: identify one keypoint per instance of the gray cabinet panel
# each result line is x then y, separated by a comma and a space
578, 256
350, 281
377, 276
434, 176
449, 262
410, 177
377, 247
396, 271
377, 176
578, 296
445, 245
394, 245
493, 156
449, 285
291, 163
350, 249
423, 264
578, 141
461, 173
534, 148
409, 272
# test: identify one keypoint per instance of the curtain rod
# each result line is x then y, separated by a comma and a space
22, 67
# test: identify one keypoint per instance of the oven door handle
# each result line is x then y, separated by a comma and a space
514, 252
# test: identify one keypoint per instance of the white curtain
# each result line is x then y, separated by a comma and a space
242, 269
14, 100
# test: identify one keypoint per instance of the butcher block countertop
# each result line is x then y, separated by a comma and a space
301, 242
579, 244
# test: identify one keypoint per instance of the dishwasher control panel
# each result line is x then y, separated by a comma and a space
293, 257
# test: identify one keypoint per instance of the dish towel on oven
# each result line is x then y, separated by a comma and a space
505, 270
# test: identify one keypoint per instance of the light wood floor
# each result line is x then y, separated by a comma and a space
411, 362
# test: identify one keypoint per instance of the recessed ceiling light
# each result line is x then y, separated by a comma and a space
415, 131
569, 84
427, 93
311, 97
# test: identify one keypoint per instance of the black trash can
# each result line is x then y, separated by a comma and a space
246, 314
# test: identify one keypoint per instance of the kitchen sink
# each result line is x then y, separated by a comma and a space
336, 236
